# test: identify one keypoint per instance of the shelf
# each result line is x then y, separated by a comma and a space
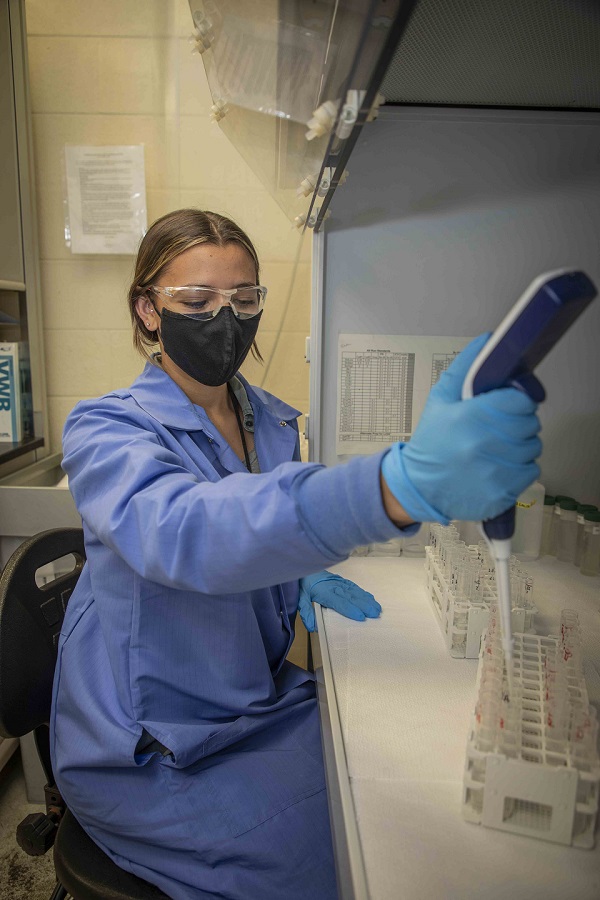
10, 450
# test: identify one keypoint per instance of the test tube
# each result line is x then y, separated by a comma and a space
590, 548
555, 521
571, 641
566, 538
582, 508
583, 737
547, 525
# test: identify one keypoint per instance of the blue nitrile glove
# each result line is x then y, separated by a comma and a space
467, 459
337, 593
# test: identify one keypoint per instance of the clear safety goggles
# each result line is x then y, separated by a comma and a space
199, 302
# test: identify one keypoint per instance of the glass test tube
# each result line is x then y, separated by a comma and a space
590, 548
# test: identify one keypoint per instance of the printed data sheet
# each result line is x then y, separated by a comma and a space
383, 383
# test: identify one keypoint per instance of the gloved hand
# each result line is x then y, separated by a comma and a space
467, 459
337, 593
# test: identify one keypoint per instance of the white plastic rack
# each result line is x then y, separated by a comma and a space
461, 587
532, 764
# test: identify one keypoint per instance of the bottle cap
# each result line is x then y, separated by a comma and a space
560, 497
549, 500
582, 507
592, 515
568, 504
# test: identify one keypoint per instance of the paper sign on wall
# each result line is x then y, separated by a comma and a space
105, 199
383, 383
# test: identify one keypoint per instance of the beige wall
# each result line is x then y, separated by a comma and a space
122, 72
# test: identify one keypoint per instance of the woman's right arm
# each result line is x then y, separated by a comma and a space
239, 533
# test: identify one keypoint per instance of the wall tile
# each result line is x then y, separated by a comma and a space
253, 370
195, 98
74, 64
125, 362
102, 75
86, 293
77, 358
51, 223
135, 76
145, 18
183, 22
159, 203
208, 159
288, 371
289, 292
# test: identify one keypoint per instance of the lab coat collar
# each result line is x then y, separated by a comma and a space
161, 398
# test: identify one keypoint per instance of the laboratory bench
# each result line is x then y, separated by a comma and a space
395, 712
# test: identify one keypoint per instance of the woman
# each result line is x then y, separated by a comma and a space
183, 741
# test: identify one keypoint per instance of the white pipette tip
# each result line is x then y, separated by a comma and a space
500, 550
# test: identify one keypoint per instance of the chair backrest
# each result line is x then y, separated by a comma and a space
30, 621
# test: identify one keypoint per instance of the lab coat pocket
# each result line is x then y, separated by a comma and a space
249, 782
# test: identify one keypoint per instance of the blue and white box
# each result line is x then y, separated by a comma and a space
11, 428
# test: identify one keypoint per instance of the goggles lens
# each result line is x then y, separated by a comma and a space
204, 303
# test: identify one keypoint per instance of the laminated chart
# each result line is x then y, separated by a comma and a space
383, 383
376, 395
439, 364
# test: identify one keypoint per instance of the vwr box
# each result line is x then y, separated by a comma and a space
15, 392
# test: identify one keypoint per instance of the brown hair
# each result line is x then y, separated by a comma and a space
166, 239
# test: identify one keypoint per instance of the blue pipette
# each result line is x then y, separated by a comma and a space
533, 326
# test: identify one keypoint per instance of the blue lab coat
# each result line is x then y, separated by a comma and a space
178, 630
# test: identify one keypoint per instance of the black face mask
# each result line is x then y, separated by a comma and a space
208, 350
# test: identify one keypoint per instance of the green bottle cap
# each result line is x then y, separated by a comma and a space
568, 504
549, 500
592, 515
560, 497
582, 507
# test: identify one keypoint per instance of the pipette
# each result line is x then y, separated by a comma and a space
533, 326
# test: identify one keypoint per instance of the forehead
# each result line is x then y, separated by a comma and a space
223, 267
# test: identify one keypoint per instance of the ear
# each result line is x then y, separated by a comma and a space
146, 312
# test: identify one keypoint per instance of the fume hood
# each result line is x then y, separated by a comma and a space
294, 82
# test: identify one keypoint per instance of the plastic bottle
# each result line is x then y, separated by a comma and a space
590, 551
566, 538
554, 531
547, 524
582, 508
527, 538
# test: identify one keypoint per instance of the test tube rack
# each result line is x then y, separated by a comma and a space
532, 764
462, 618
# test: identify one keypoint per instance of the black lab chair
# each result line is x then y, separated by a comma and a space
31, 617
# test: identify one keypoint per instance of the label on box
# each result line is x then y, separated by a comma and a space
10, 393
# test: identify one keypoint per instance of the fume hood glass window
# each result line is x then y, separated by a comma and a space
279, 73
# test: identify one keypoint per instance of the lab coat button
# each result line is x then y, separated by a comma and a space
283, 424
